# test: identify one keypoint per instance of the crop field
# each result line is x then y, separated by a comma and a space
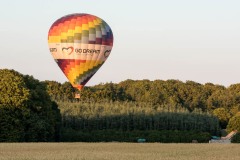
118, 151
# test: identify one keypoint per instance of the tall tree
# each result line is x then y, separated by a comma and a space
28, 114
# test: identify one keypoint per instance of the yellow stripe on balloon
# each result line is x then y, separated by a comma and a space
63, 35
85, 27
78, 29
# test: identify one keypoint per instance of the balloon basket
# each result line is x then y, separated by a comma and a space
77, 96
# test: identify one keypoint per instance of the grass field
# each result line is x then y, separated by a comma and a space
118, 151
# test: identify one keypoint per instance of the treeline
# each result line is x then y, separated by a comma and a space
190, 95
209, 98
31, 110
168, 105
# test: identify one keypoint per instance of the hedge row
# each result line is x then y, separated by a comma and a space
164, 136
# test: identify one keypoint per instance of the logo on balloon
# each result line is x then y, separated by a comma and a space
107, 53
87, 51
67, 50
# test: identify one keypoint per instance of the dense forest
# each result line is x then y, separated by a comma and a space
159, 111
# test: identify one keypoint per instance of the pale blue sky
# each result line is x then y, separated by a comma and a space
195, 40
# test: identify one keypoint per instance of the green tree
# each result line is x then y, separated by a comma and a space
223, 115
27, 112
54, 89
234, 124
11, 126
68, 91
236, 138
12, 88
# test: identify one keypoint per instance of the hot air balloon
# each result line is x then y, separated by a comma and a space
80, 44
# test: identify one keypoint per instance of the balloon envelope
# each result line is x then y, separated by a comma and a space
80, 44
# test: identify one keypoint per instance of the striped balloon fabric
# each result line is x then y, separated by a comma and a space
80, 44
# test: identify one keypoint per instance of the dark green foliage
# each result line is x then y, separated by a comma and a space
126, 116
236, 138
127, 121
164, 136
26, 110
11, 126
